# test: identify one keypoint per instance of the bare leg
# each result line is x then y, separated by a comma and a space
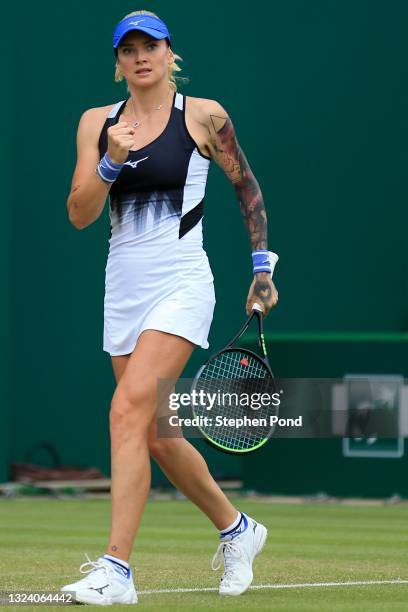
157, 355
185, 467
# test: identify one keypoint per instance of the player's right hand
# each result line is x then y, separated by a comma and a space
120, 140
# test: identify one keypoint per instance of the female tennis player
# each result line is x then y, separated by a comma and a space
151, 154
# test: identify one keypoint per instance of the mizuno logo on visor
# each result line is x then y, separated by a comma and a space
135, 23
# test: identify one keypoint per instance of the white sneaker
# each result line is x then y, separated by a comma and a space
104, 586
238, 554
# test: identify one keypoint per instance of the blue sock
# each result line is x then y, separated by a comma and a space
236, 528
122, 567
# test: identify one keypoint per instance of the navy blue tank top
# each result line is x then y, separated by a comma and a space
164, 179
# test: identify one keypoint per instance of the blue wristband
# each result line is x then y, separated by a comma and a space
261, 262
108, 170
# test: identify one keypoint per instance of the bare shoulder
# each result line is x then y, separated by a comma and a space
95, 115
92, 120
204, 110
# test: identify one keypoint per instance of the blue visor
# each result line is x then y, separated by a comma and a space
144, 23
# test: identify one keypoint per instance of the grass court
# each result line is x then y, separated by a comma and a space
310, 545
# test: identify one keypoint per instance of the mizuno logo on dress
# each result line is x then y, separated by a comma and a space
133, 164
135, 23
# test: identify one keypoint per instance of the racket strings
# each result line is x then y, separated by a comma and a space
235, 364
235, 375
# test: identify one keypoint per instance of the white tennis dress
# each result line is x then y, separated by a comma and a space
157, 273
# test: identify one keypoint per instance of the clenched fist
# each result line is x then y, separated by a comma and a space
120, 140
263, 292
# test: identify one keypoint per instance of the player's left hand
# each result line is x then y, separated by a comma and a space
263, 292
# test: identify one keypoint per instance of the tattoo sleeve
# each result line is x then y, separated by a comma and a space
229, 156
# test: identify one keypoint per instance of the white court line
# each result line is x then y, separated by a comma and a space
278, 586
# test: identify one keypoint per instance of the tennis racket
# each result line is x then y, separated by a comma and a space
228, 385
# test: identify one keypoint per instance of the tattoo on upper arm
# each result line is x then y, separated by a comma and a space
229, 155
225, 146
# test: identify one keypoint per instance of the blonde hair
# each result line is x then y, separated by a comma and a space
172, 69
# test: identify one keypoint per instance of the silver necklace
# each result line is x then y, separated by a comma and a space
137, 124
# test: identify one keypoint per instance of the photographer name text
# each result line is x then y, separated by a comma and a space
237, 422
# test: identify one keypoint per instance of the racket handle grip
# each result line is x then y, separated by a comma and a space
257, 307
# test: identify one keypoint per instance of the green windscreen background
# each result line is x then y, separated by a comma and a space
318, 94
